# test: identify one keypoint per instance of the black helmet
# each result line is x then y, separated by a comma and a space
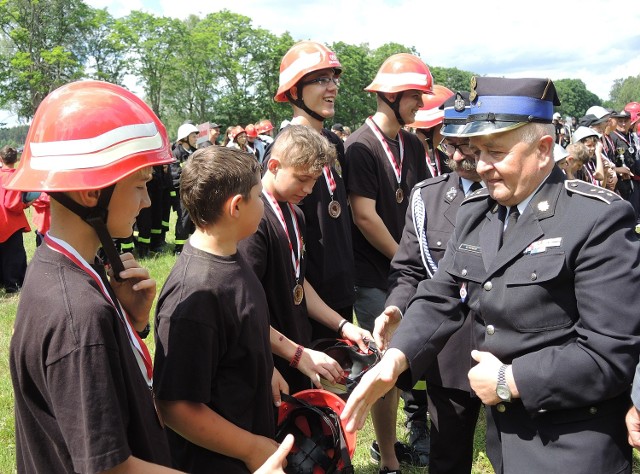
353, 361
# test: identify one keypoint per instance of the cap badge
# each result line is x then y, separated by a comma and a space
458, 104
473, 94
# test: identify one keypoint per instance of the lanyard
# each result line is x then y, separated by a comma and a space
295, 260
628, 142
397, 169
328, 177
137, 346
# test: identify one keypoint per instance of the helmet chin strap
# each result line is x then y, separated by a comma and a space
96, 217
300, 104
395, 106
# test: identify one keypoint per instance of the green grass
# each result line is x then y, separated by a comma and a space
159, 267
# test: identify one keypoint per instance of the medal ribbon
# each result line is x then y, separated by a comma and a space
397, 169
628, 142
137, 346
430, 165
328, 177
278, 212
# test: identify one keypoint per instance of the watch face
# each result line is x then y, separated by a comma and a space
503, 392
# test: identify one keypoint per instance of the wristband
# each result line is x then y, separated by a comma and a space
296, 357
145, 332
341, 325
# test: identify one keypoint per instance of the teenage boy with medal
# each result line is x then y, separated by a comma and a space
383, 163
77, 351
309, 81
81, 373
277, 254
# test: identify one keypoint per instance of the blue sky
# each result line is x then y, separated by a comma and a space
559, 39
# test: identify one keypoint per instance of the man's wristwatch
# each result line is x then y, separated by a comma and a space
502, 389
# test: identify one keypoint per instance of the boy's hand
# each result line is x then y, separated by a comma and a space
135, 292
358, 335
278, 384
315, 364
262, 448
278, 460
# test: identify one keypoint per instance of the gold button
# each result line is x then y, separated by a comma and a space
488, 286
534, 277
593, 410
501, 408
491, 330
464, 272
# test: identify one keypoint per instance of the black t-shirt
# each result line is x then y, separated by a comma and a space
267, 252
81, 402
212, 347
368, 173
330, 266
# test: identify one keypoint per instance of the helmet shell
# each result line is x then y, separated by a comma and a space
237, 130
251, 130
431, 113
89, 135
295, 417
634, 109
402, 72
185, 130
264, 126
301, 59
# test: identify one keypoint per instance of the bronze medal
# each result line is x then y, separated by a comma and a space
298, 294
399, 195
335, 209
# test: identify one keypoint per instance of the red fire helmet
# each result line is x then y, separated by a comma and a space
89, 135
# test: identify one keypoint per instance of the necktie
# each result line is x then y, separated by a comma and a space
512, 218
474, 187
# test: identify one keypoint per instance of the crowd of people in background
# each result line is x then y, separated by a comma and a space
323, 234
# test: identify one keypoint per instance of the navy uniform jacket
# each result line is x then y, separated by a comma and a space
559, 301
442, 197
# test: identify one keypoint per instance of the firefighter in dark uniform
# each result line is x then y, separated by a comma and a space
550, 269
429, 224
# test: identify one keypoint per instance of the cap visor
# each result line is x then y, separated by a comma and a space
452, 129
476, 129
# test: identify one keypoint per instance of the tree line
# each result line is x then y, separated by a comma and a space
215, 68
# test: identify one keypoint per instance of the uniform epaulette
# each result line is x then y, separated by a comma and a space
482, 193
428, 181
587, 189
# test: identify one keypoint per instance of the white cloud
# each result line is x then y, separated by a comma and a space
570, 39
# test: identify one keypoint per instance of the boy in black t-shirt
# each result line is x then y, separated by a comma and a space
81, 373
213, 365
277, 254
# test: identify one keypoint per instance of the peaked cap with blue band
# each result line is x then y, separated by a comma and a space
456, 111
499, 104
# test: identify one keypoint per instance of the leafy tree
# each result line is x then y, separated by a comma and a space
45, 49
354, 104
574, 97
452, 78
153, 43
105, 48
624, 91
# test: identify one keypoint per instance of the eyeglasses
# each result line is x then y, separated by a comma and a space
450, 149
323, 81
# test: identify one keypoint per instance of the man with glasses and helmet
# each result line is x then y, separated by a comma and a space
383, 163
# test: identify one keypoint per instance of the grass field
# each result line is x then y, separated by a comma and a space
159, 267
